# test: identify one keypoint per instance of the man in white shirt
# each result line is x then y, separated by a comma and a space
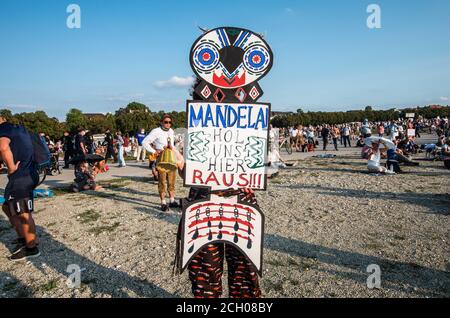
346, 135
162, 138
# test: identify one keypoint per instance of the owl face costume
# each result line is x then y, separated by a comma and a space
218, 221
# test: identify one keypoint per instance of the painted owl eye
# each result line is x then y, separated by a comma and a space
256, 59
206, 57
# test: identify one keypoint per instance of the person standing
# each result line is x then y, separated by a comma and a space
162, 138
16, 151
294, 137
335, 133
67, 140
325, 133
346, 136
89, 142
126, 144
141, 152
120, 147
417, 128
393, 131
80, 143
109, 144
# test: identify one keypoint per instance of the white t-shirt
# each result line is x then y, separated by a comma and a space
294, 133
159, 138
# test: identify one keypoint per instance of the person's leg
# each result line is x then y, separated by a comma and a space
144, 154
28, 229
243, 279
15, 222
335, 143
19, 206
106, 156
121, 158
162, 187
66, 160
171, 178
139, 151
205, 272
374, 169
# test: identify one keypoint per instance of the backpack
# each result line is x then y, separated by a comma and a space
42, 158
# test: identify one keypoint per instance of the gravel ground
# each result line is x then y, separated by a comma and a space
327, 220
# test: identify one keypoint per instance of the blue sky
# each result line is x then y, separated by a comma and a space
325, 56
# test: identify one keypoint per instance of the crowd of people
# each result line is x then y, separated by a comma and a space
394, 140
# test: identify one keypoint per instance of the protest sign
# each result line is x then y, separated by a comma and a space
227, 145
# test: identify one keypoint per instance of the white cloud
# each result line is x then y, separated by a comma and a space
176, 81
444, 99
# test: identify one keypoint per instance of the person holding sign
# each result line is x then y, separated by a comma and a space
162, 138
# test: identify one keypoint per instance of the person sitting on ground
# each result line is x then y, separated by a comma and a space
84, 178
401, 157
374, 157
360, 143
275, 160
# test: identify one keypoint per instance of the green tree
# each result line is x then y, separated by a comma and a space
75, 120
39, 122
134, 117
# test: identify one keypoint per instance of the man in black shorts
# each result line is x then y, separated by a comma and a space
16, 151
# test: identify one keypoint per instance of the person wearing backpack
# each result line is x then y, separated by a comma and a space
17, 152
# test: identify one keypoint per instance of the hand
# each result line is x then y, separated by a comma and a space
158, 152
14, 169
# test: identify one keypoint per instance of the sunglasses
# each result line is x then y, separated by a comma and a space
167, 122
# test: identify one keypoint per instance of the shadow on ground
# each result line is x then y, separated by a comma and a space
100, 279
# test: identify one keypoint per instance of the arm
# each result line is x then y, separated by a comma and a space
6, 154
83, 147
146, 143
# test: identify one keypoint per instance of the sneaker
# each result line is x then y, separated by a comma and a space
174, 205
25, 253
164, 207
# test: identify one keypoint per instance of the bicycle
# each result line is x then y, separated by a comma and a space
286, 143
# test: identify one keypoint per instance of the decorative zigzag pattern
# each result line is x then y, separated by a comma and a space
198, 146
255, 152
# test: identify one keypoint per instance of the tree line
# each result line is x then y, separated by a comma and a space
129, 119
135, 116
334, 118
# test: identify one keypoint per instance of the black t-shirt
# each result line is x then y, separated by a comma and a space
78, 140
109, 141
325, 132
68, 143
21, 147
